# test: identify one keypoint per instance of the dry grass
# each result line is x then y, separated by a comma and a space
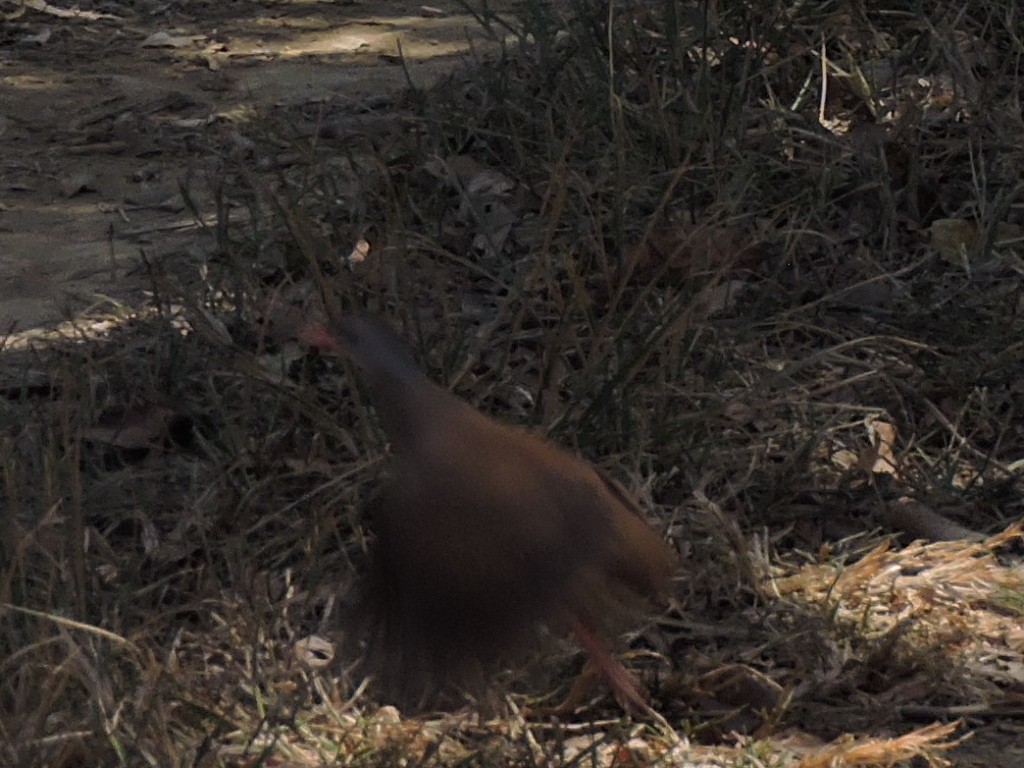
690, 257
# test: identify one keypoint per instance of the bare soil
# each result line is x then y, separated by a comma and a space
100, 114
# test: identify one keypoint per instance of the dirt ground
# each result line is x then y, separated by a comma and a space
100, 109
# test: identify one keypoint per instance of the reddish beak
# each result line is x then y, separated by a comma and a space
317, 336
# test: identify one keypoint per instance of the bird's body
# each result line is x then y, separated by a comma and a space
486, 531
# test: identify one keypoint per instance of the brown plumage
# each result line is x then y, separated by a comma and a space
485, 531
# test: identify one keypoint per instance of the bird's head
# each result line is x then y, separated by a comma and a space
370, 343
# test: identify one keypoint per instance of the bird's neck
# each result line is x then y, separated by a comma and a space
406, 402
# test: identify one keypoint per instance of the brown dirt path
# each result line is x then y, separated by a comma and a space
99, 111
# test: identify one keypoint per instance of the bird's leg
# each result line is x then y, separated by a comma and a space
628, 691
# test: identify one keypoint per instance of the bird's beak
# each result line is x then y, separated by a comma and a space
317, 336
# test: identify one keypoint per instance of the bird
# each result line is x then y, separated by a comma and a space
485, 532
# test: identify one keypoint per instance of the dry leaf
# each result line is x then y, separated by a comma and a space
954, 239
738, 685
40, 38
360, 252
314, 651
718, 298
456, 171
167, 40
687, 251
83, 181
303, 466
151, 427
844, 458
883, 439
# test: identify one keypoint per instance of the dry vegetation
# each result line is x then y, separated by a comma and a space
760, 260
